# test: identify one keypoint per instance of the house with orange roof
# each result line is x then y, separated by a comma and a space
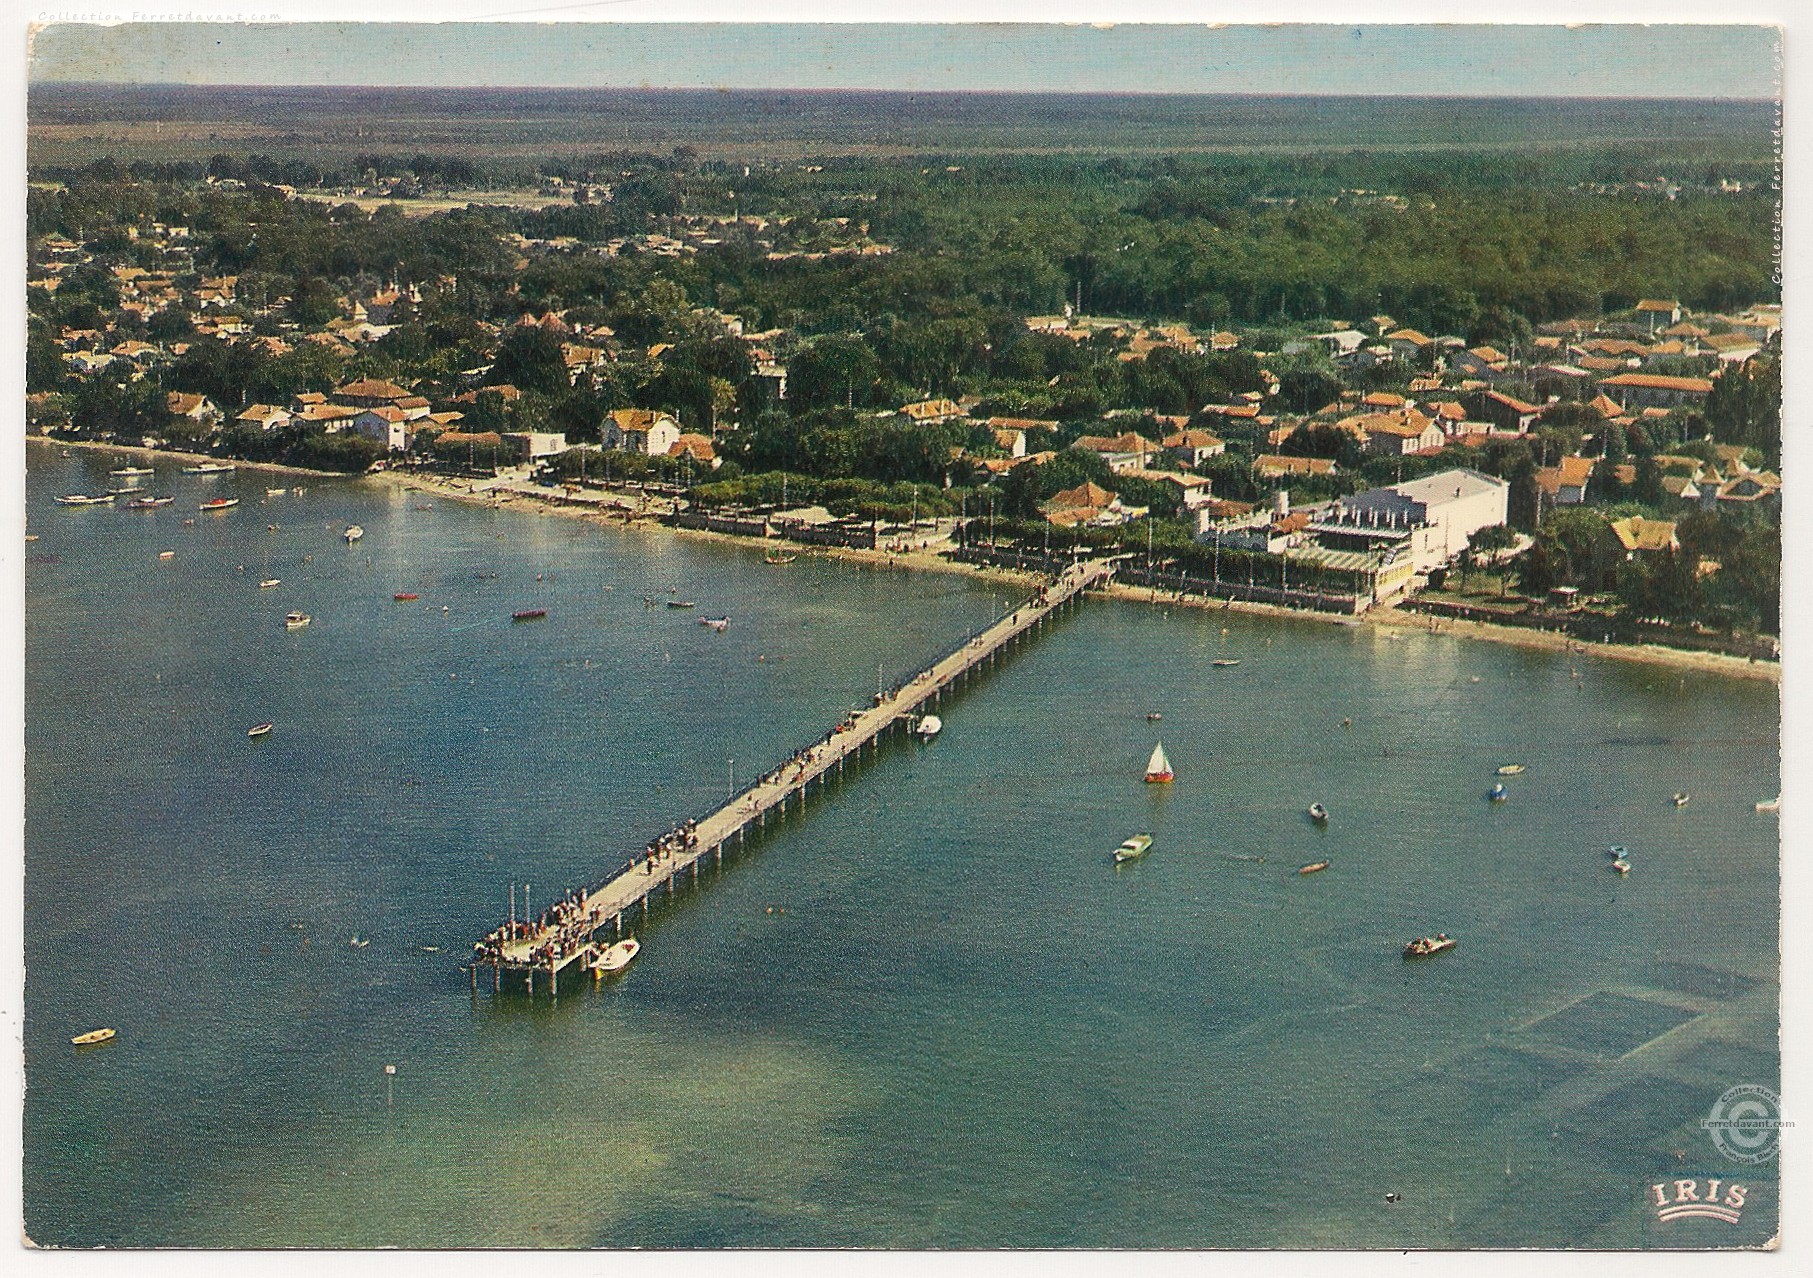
369, 392
1127, 451
1654, 390
1407, 343
1189, 447
640, 430
697, 447
385, 425
1639, 536
1658, 312
1566, 484
1396, 434
264, 416
1089, 504
197, 408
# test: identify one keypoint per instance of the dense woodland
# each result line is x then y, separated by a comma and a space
1485, 246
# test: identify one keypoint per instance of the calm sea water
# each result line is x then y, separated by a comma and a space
928, 1012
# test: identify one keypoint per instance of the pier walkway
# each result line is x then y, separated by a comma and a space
539, 951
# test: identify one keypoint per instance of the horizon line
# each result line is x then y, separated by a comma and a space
823, 89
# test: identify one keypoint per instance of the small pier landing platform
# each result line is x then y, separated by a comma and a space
569, 933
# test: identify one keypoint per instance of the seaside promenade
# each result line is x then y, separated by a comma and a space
538, 951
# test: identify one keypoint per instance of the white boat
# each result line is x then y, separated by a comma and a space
260, 729
719, 624
83, 499
219, 503
148, 503
1424, 946
131, 472
1225, 662
296, 620
616, 957
1133, 848
208, 468
1510, 769
1318, 814
353, 533
1498, 793
1681, 799
92, 1037
1158, 768
275, 492
1770, 805
269, 582
928, 727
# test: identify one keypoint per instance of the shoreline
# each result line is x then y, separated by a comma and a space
134, 450
1386, 618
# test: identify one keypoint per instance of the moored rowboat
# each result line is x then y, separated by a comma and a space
616, 957
92, 1037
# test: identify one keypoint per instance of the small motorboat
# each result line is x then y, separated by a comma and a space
1318, 814
928, 727
275, 492
529, 614
83, 499
1616, 851
404, 596
1770, 805
166, 554
270, 583
1225, 662
1133, 849
681, 603
131, 472
219, 503
1498, 793
1510, 769
260, 730
296, 620
1621, 866
1153, 716
1681, 799
358, 942
208, 468
719, 624
616, 957
148, 503
1314, 867
353, 533
1158, 768
92, 1037
1424, 946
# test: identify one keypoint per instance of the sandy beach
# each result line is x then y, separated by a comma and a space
127, 450
615, 509
930, 560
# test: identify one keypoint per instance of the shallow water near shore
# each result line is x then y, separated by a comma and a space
927, 1012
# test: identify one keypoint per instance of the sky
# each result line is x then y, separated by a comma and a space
1543, 61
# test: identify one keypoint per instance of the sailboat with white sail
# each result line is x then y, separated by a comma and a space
1158, 767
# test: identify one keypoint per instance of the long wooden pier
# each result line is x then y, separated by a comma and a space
538, 951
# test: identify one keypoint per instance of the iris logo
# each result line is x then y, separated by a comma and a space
1715, 1201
